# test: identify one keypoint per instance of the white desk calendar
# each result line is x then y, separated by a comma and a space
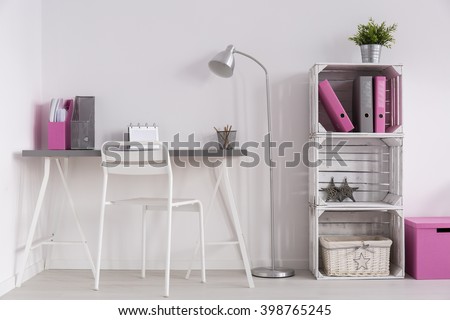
143, 133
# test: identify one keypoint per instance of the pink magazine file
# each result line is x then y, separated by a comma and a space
379, 104
58, 133
339, 118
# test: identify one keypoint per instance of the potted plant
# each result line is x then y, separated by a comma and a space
371, 37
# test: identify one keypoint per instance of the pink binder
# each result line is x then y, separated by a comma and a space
379, 104
334, 108
58, 133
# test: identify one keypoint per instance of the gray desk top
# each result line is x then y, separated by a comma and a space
173, 152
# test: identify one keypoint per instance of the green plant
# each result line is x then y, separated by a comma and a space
373, 33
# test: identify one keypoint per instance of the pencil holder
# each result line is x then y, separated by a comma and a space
227, 139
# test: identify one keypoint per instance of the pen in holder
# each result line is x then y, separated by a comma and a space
58, 130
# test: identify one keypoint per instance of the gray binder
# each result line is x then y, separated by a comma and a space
82, 124
363, 104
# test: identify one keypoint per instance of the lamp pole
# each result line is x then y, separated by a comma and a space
270, 272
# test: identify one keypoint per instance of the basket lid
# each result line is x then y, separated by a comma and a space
428, 222
344, 242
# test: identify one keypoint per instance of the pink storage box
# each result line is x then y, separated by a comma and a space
57, 136
58, 133
427, 247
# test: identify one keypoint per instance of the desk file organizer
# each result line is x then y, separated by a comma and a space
83, 123
58, 133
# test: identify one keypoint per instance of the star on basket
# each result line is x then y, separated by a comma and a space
332, 191
346, 191
361, 262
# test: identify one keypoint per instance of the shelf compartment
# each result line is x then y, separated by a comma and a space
386, 223
364, 206
395, 273
341, 78
358, 135
372, 165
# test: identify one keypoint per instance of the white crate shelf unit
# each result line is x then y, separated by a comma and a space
370, 162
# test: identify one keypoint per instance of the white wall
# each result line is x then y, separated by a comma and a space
20, 96
146, 61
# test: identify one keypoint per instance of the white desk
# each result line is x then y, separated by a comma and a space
222, 184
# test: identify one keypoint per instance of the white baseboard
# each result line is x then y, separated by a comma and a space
176, 264
10, 283
7, 285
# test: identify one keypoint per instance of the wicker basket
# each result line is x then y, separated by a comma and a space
355, 256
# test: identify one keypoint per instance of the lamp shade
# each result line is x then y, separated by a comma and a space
223, 63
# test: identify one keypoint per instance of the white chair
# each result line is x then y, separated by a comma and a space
149, 158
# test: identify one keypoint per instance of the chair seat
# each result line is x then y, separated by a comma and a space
157, 203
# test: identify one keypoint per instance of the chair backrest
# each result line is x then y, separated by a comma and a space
136, 158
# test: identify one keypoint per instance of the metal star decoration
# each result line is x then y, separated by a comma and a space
332, 191
346, 191
361, 262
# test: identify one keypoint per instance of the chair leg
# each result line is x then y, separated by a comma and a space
144, 239
194, 254
100, 234
202, 241
200, 245
169, 240
99, 253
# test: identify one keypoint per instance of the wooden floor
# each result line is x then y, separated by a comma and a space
221, 285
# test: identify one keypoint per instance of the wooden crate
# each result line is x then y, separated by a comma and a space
373, 165
358, 222
341, 77
371, 162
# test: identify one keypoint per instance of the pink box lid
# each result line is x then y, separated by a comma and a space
428, 222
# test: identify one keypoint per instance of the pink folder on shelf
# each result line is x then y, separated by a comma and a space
339, 118
379, 104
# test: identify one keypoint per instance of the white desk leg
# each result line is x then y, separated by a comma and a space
77, 221
208, 210
37, 212
56, 220
224, 177
100, 232
237, 225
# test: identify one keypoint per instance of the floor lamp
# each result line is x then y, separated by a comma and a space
223, 65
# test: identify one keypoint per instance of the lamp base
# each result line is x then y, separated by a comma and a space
272, 273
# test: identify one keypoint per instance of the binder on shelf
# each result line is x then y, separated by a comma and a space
394, 129
58, 130
339, 118
83, 123
363, 104
379, 104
